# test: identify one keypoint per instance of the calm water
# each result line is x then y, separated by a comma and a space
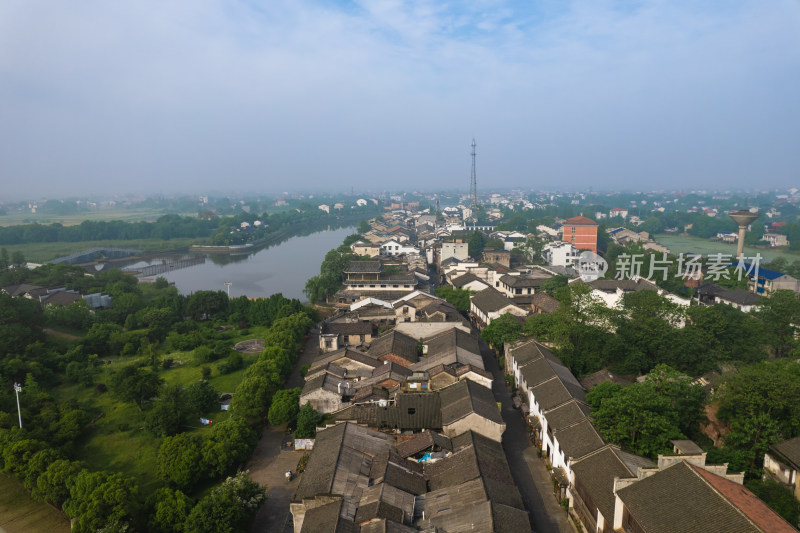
281, 268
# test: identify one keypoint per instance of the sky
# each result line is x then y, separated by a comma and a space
188, 96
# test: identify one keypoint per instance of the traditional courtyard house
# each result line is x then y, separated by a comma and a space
685, 494
335, 335
782, 463
395, 347
490, 304
523, 286
469, 406
356, 363
543, 303
451, 347
500, 257
591, 488
326, 391
470, 282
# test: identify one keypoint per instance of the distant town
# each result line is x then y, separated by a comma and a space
508, 361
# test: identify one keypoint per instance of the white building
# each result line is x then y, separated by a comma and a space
394, 247
560, 254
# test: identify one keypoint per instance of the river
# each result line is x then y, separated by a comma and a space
283, 268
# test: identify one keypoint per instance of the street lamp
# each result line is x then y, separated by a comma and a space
18, 389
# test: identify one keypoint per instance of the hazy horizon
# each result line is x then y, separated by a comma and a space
385, 95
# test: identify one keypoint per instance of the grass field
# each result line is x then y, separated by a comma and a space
689, 244
118, 440
19, 513
46, 251
126, 215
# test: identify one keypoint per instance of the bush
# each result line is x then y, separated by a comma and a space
166, 364
201, 397
284, 407
233, 363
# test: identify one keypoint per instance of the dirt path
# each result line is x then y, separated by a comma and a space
271, 459
61, 334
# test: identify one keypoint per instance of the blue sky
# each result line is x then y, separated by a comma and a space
294, 94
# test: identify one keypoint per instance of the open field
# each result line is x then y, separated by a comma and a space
118, 441
126, 215
689, 244
45, 251
19, 513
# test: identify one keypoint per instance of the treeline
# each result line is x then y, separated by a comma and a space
219, 230
331, 271
165, 228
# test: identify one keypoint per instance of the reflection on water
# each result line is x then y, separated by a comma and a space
281, 268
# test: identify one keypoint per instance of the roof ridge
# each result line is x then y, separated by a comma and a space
694, 470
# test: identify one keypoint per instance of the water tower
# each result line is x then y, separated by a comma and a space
744, 218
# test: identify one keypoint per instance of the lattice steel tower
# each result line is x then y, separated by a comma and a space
473, 185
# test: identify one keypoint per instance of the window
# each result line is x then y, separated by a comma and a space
412, 410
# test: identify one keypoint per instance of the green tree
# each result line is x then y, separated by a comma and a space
501, 330
476, 243
458, 297
363, 227
253, 396
201, 397
307, 420
169, 412
231, 442
285, 406
179, 460
53, 484
228, 508
779, 312
97, 498
777, 497
169, 510
636, 417
552, 285
759, 404
132, 384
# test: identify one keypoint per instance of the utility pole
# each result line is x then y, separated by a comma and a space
18, 389
228, 284
473, 185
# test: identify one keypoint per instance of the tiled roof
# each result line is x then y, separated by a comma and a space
545, 302
565, 415
411, 410
347, 328
475, 456
423, 441
395, 343
681, 498
462, 280
788, 451
595, 474
747, 502
580, 221
625, 285
465, 397
326, 519
739, 296
578, 439
363, 267
489, 300
553, 393
601, 376
522, 281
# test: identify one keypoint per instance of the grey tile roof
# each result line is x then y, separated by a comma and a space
522, 281
411, 410
344, 353
347, 328
370, 267
395, 343
545, 302
381, 525
465, 397
594, 478
327, 519
388, 467
578, 439
553, 393
739, 296
567, 414
788, 451
489, 300
423, 441
679, 499
476, 456
626, 285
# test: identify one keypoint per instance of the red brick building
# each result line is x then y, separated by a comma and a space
581, 232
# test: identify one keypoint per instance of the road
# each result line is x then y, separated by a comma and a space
271, 460
532, 478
